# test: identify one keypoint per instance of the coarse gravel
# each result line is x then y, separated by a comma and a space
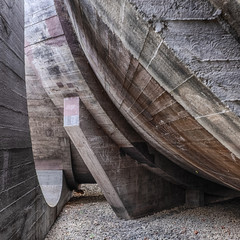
88, 216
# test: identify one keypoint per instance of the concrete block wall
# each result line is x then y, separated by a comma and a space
24, 213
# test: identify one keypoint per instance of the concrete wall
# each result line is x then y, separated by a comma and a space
152, 116
188, 29
24, 213
85, 50
46, 57
61, 70
156, 89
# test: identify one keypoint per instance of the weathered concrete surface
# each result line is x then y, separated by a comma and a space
106, 54
51, 145
159, 104
187, 29
24, 214
184, 119
231, 13
50, 56
122, 180
88, 88
137, 149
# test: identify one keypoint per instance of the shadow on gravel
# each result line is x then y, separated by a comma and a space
90, 193
87, 216
227, 208
86, 199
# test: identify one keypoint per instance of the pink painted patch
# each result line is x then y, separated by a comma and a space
71, 106
54, 26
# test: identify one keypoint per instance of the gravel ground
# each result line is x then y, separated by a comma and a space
89, 216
